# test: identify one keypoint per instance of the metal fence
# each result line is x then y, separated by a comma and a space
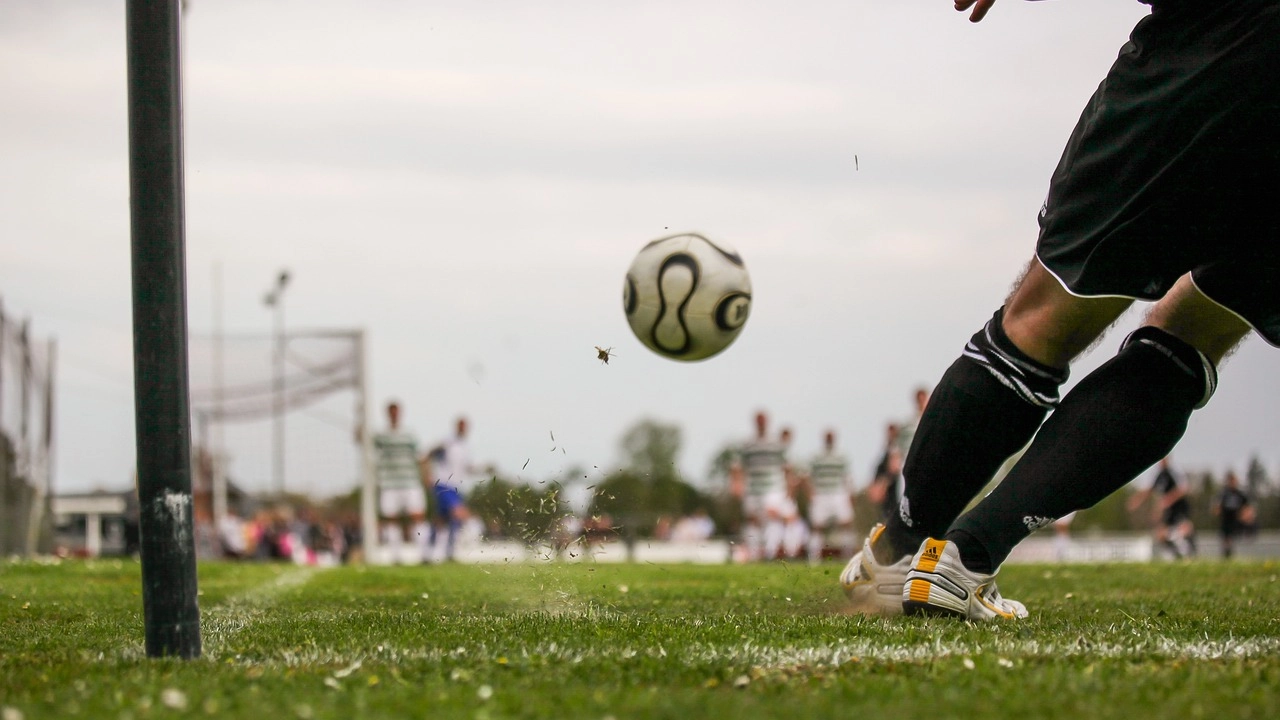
26, 438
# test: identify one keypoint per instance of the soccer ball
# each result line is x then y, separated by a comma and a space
686, 297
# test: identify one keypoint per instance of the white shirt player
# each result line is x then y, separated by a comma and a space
453, 466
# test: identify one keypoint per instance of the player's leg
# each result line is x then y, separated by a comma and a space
846, 536
752, 535
795, 531
388, 515
818, 534
1160, 539
442, 532
1118, 421
1234, 526
1165, 535
751, 540
1062, 536
1229, 531
457, 516
1187, 531
773, 531
822, 519
421, 532
990, 402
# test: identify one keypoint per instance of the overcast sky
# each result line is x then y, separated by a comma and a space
468, 182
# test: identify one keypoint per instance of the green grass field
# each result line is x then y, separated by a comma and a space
639, 641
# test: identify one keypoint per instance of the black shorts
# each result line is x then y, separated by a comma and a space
1232, 527
1176, 513
1174, 166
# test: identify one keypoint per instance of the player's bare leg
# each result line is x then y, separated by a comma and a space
1051, 325
1187, 314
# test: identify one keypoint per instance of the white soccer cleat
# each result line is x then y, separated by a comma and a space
874, 589
939, 584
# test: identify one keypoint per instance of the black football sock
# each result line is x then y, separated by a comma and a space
1118, 421
985, 408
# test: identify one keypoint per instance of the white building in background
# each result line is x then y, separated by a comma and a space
94, 524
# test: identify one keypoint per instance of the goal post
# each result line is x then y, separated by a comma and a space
369, 536
171, 616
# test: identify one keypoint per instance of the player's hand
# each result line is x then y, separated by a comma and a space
980, 8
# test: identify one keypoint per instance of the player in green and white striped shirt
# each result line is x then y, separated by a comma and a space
831, 504
400, 490
760, 472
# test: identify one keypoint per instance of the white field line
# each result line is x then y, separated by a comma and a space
222, 623
748, 654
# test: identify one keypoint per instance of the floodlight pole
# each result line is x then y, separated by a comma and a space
275, 299
161, 401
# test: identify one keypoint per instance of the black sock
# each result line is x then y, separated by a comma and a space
985, 408
1118, 421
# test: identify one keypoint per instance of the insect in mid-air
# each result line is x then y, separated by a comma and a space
604, 354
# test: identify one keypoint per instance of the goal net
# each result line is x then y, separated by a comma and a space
26, 439
272, 424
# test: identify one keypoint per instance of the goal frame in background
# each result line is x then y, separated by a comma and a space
28, 371
220, 404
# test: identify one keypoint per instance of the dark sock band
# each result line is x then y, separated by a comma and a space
1033, 381
985, 408
1118, 421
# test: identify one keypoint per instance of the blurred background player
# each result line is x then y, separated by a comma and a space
760, 472
451, 471
830, 502
886, 482
1234, 512
786, 529
786, 437
400, 491
888, 485
1174, 529
694, 528
907, 429
1062, 536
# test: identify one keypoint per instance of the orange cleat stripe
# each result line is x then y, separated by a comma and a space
919, 591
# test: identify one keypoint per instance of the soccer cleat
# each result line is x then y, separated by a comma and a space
939, 584
874, 589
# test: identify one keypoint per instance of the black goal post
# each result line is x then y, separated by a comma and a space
161, 403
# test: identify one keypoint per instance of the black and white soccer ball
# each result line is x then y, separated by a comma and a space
687, 297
